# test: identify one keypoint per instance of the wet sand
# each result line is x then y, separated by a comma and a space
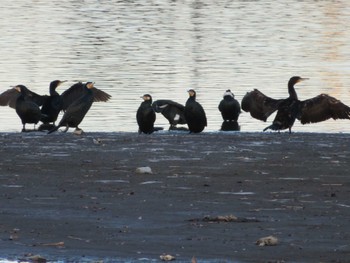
80, 199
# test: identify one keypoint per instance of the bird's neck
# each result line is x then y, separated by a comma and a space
53, 90
292, 92
192, 98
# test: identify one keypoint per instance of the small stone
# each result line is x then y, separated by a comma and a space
267, 241
167, 257
144, 170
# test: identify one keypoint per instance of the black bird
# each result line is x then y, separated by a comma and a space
316, 109
194, 114
76, 111
52, 106
145, 115
26, 109
172, 111
229, 107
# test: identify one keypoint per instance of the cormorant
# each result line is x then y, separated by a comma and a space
229, 107
194, 113
145, 115
52, 106
316, 109
171, 110
230, 110
26, 109
76, 111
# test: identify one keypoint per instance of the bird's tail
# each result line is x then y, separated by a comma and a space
53, 129
273, 126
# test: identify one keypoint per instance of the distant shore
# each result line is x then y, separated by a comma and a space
210, 196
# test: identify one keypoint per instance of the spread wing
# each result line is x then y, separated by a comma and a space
100, 95
159, 105
321, 108
9, 97
259, 105
77, 90
171, 110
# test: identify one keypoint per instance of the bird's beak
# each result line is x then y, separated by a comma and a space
17, 88
302, 79
62, 81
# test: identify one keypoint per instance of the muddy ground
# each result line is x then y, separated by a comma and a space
210, 196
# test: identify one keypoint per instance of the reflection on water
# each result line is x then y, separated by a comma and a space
166, 47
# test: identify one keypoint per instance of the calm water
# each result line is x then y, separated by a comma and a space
165, 47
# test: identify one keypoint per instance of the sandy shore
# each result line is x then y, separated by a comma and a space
80, 199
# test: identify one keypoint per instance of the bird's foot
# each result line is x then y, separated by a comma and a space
78, 131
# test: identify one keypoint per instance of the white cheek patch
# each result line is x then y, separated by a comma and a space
228, 93
177, 117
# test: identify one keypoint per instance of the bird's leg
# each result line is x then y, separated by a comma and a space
24, 127
67, 127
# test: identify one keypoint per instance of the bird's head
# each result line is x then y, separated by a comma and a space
191, 93
147, 97
89, 84
296, 79
56, 83
228, 93
20, 88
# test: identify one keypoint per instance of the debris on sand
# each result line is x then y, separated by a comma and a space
144, 170
97, 141
167, 257
227, 218
267, 241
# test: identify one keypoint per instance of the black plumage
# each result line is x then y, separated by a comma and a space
26, 109
145, 115
76, 111
229, 107
171, 110
316, 109
194, 114
230, 126
52, 105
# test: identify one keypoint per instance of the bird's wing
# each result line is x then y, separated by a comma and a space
72, 94
321, 108
77, 90
100, 95
9, 97
159, 105
259, 105
36, 98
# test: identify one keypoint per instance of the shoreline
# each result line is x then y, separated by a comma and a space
78, 198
